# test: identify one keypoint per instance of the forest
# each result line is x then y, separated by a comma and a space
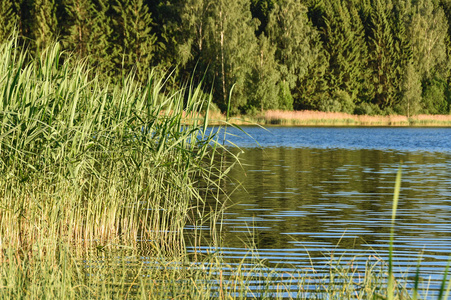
374, 57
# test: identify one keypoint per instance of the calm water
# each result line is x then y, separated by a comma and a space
314, 193
309, 196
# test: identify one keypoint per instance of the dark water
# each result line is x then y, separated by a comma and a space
309, 194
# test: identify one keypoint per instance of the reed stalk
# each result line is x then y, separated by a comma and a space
88, 162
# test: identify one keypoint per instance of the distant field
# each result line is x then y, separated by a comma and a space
317, 118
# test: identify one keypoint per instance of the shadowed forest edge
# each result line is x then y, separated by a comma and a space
364, 57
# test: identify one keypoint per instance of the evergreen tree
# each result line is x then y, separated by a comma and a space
382, 54
168, 31
292, 34
403, 54
100, 39
23, 10
44, 23
335, 55
344, 40
313, 87
89, 32
261, 9
135, 41
8, 19
77, 38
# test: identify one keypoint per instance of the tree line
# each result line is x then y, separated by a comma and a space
354, 56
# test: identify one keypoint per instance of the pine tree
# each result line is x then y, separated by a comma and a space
344, 40
80, 25
169, 31
292, 34
44, 23
8, 19
313, 87
382, 54
261, 9
101, 39
135, 40
403, 58
89, 32
362, 75
24, 11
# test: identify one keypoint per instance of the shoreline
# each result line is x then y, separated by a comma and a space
317, 118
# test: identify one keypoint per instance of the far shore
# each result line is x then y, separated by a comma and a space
318, 118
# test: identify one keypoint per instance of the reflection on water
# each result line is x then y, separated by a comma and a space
309, 196
300, 204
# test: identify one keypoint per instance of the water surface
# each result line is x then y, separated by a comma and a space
306, 196
310, 194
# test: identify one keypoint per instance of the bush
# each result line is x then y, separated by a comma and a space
339, 101
434, 98
285, 97
369, 109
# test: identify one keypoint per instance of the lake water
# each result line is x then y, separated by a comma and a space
308, 194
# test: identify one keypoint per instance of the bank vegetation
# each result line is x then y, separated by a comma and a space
364, 57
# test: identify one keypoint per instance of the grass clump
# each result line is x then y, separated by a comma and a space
87, 163
319, 118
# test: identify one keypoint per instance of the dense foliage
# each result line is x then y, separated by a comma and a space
357, 56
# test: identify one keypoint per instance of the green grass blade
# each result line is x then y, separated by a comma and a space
445, 286
391, 279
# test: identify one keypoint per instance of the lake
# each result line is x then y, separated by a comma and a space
309, 194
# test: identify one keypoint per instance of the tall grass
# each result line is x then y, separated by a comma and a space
84, 161
318, 118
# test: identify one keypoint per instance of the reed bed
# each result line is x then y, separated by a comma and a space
129, 274
87, 162
431, 120
318, 118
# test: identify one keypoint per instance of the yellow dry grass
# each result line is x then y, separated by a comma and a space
318, 118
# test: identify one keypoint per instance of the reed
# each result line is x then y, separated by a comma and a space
87, 162
129, 274
318, 118
438, 120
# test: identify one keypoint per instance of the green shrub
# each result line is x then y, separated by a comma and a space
434, 98
285, 97
369, 109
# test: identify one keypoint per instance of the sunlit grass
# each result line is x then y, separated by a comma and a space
318, 118
86, 162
